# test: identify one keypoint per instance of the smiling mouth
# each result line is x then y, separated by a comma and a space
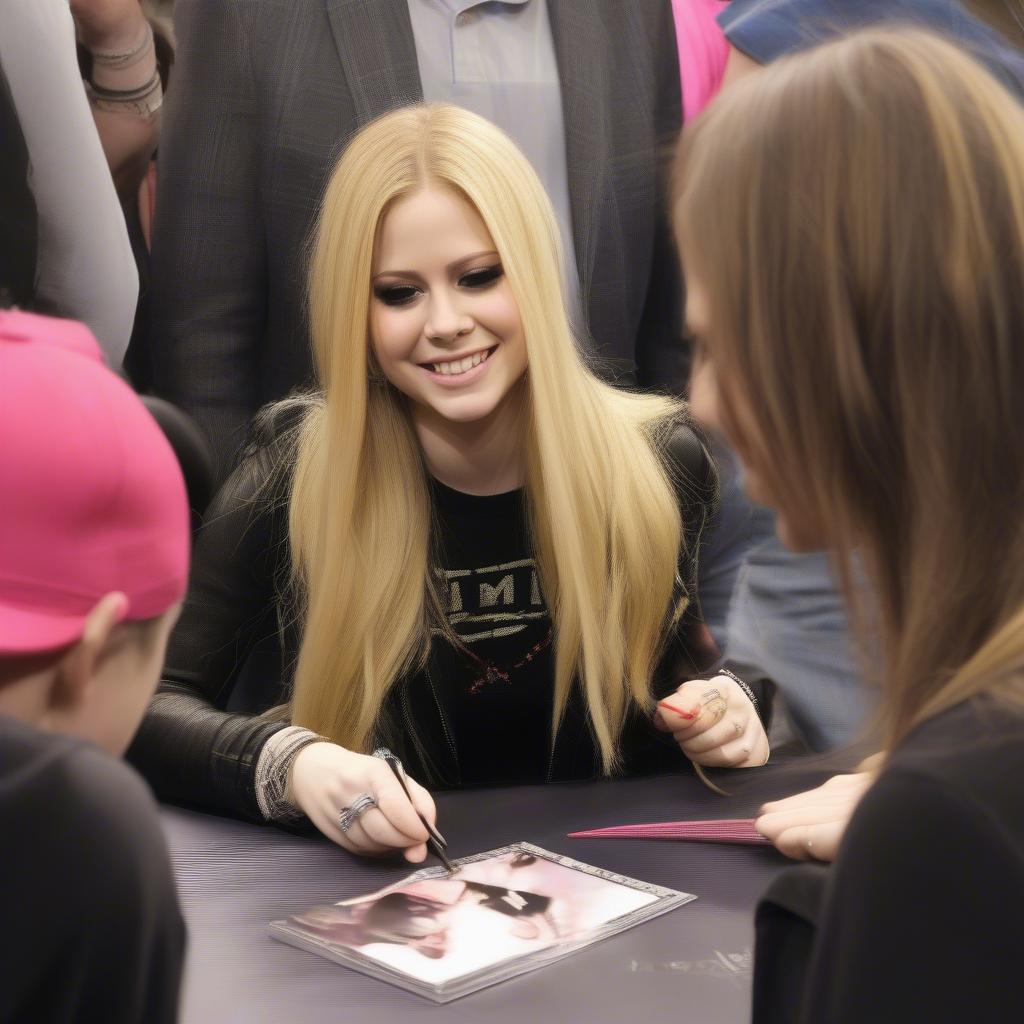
457, 367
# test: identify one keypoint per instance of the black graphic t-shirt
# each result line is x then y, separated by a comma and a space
481, 711
496, 683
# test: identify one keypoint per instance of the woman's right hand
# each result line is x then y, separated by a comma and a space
325, 779
810, 826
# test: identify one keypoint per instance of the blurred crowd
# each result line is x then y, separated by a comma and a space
167, 175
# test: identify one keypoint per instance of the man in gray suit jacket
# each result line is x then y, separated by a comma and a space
264, 97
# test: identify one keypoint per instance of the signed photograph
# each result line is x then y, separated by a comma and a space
502, 913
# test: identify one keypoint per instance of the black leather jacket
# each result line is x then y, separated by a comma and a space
232, 654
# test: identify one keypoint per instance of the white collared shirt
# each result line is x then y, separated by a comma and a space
497, 58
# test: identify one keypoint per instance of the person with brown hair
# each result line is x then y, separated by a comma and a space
852, 227
785, 617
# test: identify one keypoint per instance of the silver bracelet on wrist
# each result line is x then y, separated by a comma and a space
125, 58
144, 101
745, 687
742, 685
272, 768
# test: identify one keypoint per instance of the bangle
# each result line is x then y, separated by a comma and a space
144, 101
125, 58
742, 685
745, 687
272, 768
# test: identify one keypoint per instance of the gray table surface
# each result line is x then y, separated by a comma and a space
691, 965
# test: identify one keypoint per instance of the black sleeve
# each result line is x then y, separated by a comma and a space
922, 920
226, 651
785, 923
695, 479
95, 929
690, 652
208, 296
134, 938
689, 647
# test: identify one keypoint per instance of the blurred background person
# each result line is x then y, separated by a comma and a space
84, 268
703, 52
759, 31
864, 201
123, 83
67, 133
785, 619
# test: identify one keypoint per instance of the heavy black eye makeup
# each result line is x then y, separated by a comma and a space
481, 277
396, 294
402, 294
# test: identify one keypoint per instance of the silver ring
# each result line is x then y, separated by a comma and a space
715, 703
385, 755
350, 815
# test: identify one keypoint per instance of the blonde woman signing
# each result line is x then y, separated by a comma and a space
852, 226
465, 547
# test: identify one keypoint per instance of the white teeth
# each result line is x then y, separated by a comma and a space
459, 366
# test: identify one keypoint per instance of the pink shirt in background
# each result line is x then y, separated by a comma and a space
703, 52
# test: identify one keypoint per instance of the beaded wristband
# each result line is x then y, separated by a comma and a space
742, 685
272, 768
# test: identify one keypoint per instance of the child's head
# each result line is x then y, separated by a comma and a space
94, 536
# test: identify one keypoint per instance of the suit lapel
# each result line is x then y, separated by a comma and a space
377, 52
577, 27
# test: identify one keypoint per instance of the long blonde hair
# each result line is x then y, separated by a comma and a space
855, 216
360, 513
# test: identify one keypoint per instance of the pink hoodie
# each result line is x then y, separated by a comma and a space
703, 52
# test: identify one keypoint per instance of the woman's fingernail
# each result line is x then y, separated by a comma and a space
688, 715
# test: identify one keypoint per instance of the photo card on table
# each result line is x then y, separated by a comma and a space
502, 914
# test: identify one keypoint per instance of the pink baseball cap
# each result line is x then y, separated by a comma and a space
93, 500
